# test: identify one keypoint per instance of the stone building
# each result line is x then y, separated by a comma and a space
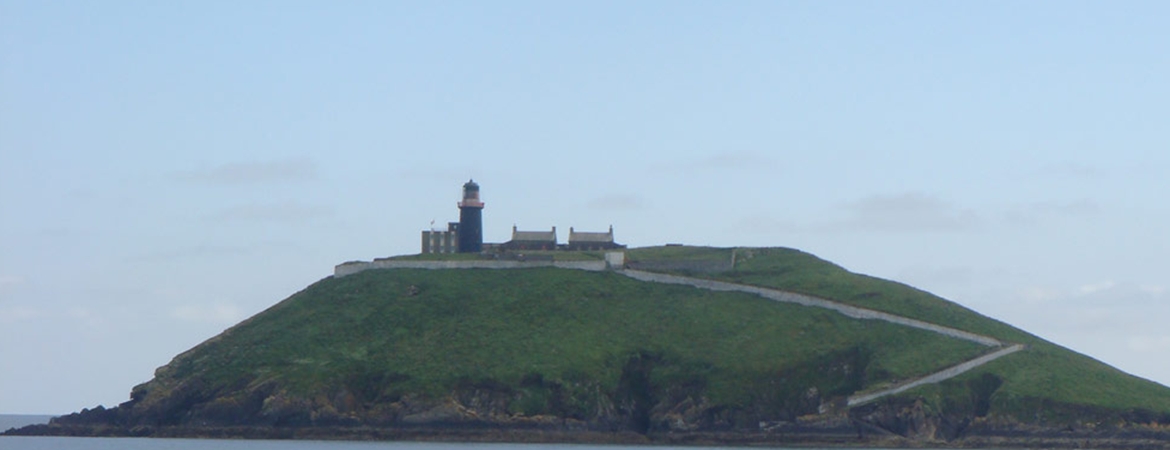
466, 235
585, 240
531, 240
438, 241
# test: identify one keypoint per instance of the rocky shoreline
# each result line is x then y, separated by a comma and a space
844, 435
480, 415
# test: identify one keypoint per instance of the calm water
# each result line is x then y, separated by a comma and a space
55, 443
19, 420
67, 443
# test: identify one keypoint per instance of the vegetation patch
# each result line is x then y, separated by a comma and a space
554, 341
547, 348
1043, 371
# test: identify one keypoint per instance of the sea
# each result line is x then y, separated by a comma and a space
71, 443
80, 443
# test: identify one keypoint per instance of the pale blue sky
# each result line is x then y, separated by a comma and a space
169, 168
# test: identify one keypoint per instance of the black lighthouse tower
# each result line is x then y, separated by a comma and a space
470, 219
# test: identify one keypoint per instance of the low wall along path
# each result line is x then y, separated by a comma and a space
342, 270
856, 313
808, 300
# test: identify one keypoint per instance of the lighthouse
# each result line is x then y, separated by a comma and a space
470, 219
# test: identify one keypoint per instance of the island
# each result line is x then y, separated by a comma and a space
658, 345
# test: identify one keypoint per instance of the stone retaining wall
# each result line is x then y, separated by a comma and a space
703, 267
351, 268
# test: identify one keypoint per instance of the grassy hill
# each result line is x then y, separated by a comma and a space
1044, 373
576, 350
388, 333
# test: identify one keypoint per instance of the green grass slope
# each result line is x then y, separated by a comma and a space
1043, 376
383, 334
576, 350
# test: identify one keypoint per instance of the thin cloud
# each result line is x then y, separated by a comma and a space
733, 160
1085, 316
218, 313
254, 172
1072, 170
765, 224
903, 213
723, 161
7, 281
934, 274
1155, 345
1153, 289
1080, 207
1038, 294
290, 212
1092, 288
1036, 212
86, 316
1099, 293
210, 251
1124, 295
18, 313
619, 202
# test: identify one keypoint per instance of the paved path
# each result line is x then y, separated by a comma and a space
856, 313
808, 300
936, 377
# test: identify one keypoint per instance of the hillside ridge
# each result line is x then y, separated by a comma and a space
679, 345
615, 264
855, 313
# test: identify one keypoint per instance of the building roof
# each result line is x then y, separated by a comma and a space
534, 236
587, 236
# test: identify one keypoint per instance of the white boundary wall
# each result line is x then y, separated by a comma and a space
808, 300
351, 268
936, 377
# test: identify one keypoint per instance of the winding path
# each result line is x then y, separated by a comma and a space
853, 312
936, 377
